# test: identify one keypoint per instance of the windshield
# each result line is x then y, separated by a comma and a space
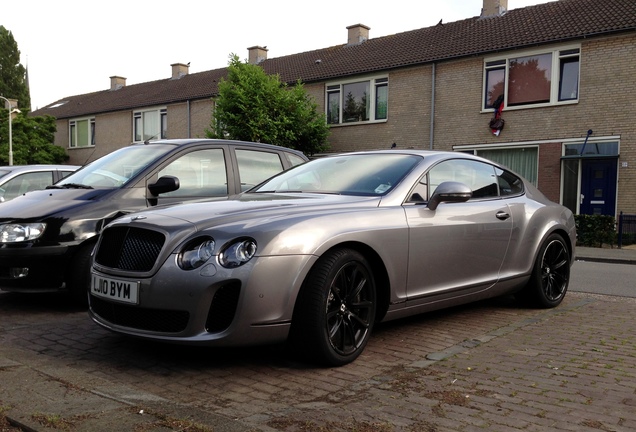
116, 168
354, 174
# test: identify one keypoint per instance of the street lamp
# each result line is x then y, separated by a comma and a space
11, 111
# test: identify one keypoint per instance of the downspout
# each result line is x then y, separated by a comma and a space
188, 120
432, 126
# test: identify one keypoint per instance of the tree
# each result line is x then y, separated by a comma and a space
254, 106
13, 83
32, 139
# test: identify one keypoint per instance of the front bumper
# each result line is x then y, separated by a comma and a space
249, 305
33, 269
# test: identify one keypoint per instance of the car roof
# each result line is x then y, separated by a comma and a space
427, 154
237, 143
36, 167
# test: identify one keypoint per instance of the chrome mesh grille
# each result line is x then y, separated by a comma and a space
132, 249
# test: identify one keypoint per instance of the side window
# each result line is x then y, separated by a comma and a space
480, 177
201, 173
295, 160
256, 166
25, 183
509, 184
65, 173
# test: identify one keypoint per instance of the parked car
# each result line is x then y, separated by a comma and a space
320, 253
47, 236
16, 180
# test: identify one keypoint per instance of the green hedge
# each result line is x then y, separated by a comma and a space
595, 230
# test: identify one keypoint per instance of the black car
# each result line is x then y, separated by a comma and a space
47, 236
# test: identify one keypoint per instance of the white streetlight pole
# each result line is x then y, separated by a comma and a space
10, 131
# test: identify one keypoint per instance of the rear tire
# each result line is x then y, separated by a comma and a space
335, 311
79, 276
550, 275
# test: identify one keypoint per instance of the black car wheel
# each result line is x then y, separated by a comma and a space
550, 275
336, 307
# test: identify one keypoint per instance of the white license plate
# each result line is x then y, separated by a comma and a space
115, 289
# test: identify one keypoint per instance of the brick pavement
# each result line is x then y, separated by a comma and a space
488, 366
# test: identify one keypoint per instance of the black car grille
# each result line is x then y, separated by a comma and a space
159, 320
132, 249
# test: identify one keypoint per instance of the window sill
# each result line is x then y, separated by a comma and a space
523, 107
357, 123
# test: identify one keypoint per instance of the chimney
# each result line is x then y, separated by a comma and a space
13, 103
257, 54
117, 82
179, 70
358, 33
494, 8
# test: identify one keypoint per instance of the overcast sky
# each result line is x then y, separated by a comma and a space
73, 47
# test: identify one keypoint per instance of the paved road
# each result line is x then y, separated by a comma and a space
603, 278
489, 366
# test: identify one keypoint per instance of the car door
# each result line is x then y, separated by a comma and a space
457, 248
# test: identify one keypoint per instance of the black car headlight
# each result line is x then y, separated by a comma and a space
195, 253
13, 233
237, 253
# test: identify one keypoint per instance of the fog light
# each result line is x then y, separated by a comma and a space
18, 272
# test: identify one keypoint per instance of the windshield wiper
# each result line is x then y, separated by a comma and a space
70, 186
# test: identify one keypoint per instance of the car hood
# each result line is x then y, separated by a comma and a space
251, 206
41, 203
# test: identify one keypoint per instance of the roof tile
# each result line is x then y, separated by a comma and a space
558, 21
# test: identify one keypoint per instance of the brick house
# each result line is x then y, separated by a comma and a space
566, 71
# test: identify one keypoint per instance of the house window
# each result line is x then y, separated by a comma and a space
148, 125
357, 101
523, 161
542, 78
81, 132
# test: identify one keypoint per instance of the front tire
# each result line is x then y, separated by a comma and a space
335, 311
550, 275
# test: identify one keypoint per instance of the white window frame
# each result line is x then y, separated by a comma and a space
161, 112
558, 53
73, 131
374, 83
474, 149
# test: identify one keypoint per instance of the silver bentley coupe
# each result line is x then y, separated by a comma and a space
318, 254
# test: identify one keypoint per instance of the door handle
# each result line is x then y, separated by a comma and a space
502, 215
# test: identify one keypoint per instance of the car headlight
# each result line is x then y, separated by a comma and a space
196, 253
13, 233
237, 253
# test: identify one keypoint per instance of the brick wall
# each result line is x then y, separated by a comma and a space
549, 178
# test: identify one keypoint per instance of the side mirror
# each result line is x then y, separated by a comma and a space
450, 192
163, 185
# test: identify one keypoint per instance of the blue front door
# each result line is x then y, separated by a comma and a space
598, 187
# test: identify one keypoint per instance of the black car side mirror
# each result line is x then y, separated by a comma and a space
450, 191
164, 184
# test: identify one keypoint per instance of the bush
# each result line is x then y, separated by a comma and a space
595, 230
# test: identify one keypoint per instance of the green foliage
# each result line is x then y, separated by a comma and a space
595, 230
13, 82
32, 140
254, 106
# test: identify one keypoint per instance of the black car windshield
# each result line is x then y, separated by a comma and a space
115, 169
350, 174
